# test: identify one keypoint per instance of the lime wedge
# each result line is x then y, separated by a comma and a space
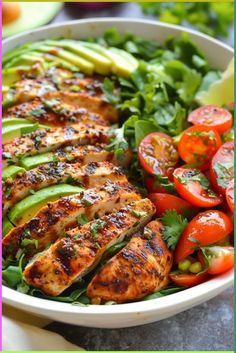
220, 92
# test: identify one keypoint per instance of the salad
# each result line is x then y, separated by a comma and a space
118, 185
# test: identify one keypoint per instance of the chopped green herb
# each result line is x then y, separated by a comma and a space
37, 112
25, 242
224, 172
139, 214
96, 226
174, 225
82, 219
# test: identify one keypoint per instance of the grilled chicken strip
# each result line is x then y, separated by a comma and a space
89, 176
55, 79
51, 220
84, 155
53, 112
139, 269
93, 104
26, 90
72, 257
41, 140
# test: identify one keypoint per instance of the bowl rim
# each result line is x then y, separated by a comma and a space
179, 299
119, 19
182, 299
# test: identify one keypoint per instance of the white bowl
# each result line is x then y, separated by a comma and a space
132, 314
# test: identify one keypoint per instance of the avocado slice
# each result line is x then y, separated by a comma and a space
84, 65
26, 59
34, 161
46, 60
33, 14
18, 51
120, 65
5, 89
14, 74
11, 171
11, 132
26, 209
102, 64
14, 121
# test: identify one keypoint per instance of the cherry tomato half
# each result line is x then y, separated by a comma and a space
162, 184
222, 167
198, 144
164, 202
230, 195
213, 116
204, 229
188, 280
195, 188
218, 259
157, 153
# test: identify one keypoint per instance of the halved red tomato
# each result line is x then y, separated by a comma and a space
213, 116
195, 188
230, 195
222, 167
157, 153
160, 183
217, 259
198, 144
188, 280
204, 229
164, 202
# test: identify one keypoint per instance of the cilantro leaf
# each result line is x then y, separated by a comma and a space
174, 225
224, 172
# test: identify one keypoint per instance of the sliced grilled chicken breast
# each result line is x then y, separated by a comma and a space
83, 84
139, 269
85, 154
55, 79
41, 140
53, 112
72, 257
89, 176
26, 90
51, 220
93, 104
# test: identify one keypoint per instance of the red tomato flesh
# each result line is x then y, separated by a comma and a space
157, 153
222, 167
188, 280
213, 116
198, 144
195, 188
204, 229
230, 195
164, 202
219, 259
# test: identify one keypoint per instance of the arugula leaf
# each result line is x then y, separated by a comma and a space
143, 128
108, 89
72, 297
174, 225
208, 79
162, 293
12, 276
